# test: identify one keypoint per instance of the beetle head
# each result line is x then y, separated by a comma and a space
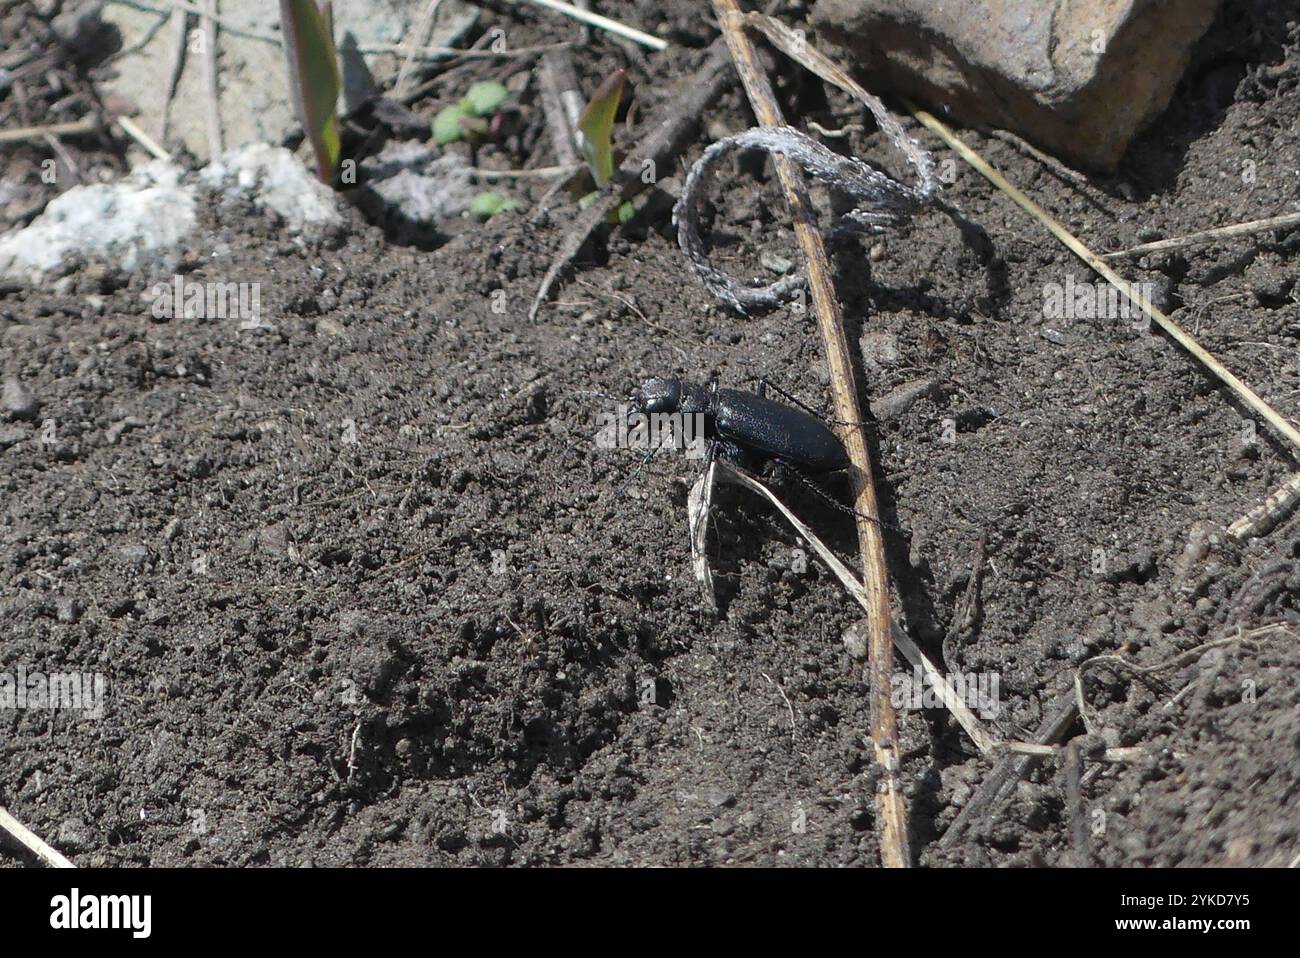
659, 395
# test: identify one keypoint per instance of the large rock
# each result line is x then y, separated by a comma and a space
1077, 77
147, 220
138, 219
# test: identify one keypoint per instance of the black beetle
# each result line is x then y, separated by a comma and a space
747, 428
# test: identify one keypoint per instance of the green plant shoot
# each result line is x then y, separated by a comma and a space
597, 127
314, 79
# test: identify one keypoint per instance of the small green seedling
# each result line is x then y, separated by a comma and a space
314, 79
489, 204
475, 117
596, 135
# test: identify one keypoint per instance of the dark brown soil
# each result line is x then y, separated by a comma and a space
455, 641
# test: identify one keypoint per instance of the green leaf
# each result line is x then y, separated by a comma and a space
625, 213
446, 125
484, 97
490, 204
597, 127
314, 80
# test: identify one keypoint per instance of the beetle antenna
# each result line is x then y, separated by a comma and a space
635, 472
825, 496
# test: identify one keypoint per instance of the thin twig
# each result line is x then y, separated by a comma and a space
423, 30
208, 23
1111, 756
891, 807
1268, 513
1210, 236
140, 136
561, 103
542, 172
944, 691
1072, 761
86, 124
25, 837
180, 22
1062, 716
667, 138
604, 23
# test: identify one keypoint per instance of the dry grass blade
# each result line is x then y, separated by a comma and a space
143, 138
423, 30
891, 808
29, 840
1268, 513
698, 504
86, 124
797, 48
1210, 236
944, 691
602, 23
1129, 290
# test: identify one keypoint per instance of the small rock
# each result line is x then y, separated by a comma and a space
17, 400
147, 215
880, 350
897, 402
134, 555
67, 609
776, 264
71, 835
276, 180
855, 640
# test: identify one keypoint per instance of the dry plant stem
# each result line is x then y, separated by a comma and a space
1176, 332
1063, 714
1110, 756
1072, 761
666, 139
946, 694
139, 135
559, 88
1210, 236
74, 128
1268, 513
698, 504
892, 809
179, 28
24, 836
208, 21
422, 32
603, 23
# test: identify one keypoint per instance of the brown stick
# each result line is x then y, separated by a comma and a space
891, 808
1072, 761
